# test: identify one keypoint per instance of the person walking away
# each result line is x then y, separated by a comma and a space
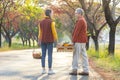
47, 36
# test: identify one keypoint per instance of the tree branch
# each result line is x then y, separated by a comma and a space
117, 20
107, 12
83, 4
69, 4
90, 5
97, 9
102, 27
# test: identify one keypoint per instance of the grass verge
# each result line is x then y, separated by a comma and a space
15, 46
104, 61
107, 66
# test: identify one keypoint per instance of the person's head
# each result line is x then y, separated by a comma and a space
79, 12
48, 12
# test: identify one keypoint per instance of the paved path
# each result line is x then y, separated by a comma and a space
19, 65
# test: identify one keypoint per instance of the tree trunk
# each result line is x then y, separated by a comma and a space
0, 38
87, 44
23, 42
29, 43
111, 47
96, 43
33, 43
10, 41
1, 32
112, 24
26, 42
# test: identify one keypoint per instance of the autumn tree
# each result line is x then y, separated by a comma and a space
19, 17
5, 6
10, 26
31, 14
95, 19
112, 22
93, 15
65, 15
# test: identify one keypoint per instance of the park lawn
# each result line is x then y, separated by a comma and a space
117, 52
15, 46
5, 49
106, 65
102, 60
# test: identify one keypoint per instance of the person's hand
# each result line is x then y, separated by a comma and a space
39, 42
55, 41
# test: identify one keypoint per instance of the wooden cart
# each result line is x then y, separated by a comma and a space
65, 48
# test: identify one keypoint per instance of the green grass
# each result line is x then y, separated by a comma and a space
102, 59
15, 46
109, 63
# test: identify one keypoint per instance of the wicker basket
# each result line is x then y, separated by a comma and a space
36, 55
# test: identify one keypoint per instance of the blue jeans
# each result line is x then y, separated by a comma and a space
47, 47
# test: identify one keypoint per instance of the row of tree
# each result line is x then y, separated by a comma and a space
21, 17
97, 13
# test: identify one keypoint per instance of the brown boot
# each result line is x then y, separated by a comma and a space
83, 73
74, 72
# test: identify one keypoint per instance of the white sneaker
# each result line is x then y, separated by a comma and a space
51, 72
43, 71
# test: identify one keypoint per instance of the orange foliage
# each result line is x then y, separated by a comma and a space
12, 20
57, 10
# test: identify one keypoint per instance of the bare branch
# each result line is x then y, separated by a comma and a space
83, 6
94, 14
117, 20
102, 27
98, 7
69, 4
90, 5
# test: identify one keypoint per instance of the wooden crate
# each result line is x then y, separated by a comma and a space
64, 48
